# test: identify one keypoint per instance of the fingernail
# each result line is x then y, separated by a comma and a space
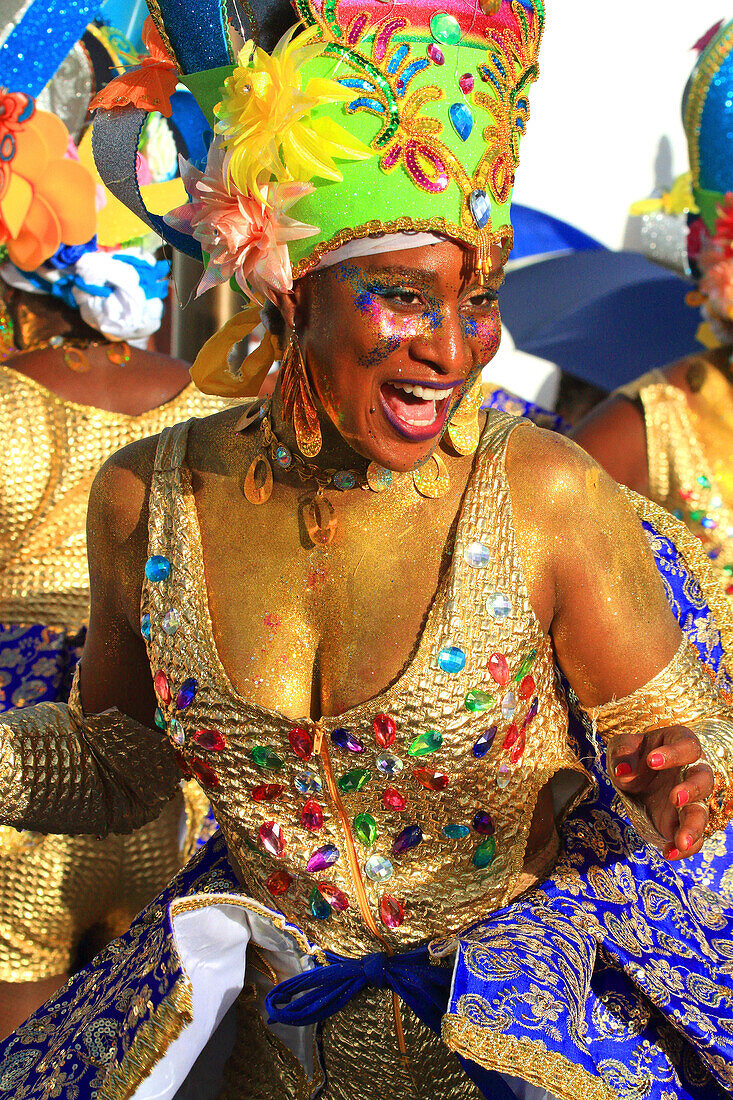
622, 770
673, 853
686, 841
656, 760
682, 798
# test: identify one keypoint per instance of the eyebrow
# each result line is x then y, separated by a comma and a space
420, 275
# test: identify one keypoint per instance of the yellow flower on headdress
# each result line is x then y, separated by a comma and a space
266, 123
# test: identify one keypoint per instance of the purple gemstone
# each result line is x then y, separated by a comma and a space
484, 742
407, 839
436, 54
531, 713
345, 739
187, 694
322, 858
483, 823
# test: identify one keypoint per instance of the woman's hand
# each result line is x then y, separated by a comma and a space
649, 767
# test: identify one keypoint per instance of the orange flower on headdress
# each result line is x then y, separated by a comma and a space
265, 118
148, 87
45, 198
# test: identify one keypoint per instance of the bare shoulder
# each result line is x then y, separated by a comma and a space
614, 434
118, 502
213, 444
554, 473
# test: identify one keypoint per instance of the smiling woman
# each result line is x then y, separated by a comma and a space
427, 883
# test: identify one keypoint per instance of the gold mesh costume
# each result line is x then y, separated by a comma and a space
690, 459
53, 889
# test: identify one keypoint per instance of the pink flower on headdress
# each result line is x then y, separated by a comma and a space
717, 287
724, 224
245, 238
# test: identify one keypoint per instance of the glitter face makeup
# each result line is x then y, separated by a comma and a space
392, 343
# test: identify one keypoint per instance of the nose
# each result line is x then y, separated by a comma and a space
443, 345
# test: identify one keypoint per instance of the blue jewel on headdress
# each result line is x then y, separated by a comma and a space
480, 207
462, 119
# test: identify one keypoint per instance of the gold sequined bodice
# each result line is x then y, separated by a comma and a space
402, 818
52, 450
685, 476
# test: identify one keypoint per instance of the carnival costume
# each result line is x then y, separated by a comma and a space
368, 887
54, 889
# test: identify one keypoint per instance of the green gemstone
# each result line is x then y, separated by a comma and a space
704, 481
354, 780
696, 515
478, 700
160, 719
266, 757
445, 28
426, 743
365, 829
484, 854
319, 907
526, 665
728, 570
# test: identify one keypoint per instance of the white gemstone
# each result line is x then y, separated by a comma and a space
170, 622
503, 776
498, 605
477, 555
389, 765
508, 706
308, 783
176, 732
378, 869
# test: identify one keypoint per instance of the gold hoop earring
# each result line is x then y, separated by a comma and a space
463, 426
299, 407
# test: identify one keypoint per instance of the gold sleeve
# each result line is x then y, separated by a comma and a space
683, 694
64, 772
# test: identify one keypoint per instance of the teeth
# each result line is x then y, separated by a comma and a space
423, 392
421, 423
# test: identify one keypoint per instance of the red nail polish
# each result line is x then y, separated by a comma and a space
656, 760
686, 841
673, 853
622, 770
682, 798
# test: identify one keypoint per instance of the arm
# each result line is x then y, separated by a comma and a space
594, 586
615, 436
103, 768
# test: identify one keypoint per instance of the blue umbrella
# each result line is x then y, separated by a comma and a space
604, 317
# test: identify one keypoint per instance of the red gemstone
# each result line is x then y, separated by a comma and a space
512, 733
336, 898
301, 742
518, 749
385, 730
499, 669
729, 590
311, 816
687, 494
210, 739
393, 800
183, 764
162, 687
205, 775
391, 911
267, 792
279, 882
434, 781
272, 839
526, 688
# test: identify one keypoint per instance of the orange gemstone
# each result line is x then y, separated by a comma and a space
499, 669
391, 911
336, 898
301, 742
527, 688
385, 730
434, 781
279, 882
267, 792
518, 749
162, 687
393, 800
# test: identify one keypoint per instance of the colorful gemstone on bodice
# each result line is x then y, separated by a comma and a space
205, 775
308, 782
145, 628
265, 756
211, 740
319, 907
516, 754
159, 719
170, 622
483, 823
531, 714
499, 669
186, 694
526, 665
354, 780
272, 839
512, 734
477, 701
526, 688
322, 858
157, 569
282, 456
433, 781
389, 765
177, 733
391, 911
378, 869
345, 739
162, 687
426, 743
406, 840
344, 479
385, 730
498, 605
392, 799
311, 816
336, 898
477, 555
301, 742
508, 706
503, 776
484, 742
451, 659
267, 792
484, 854
279, 882
456, 832
365, 829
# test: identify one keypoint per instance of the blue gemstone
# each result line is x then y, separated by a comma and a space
483, 823
451, 659
678, 513
484, 742
319, 907
187, 694
345, 739
462, 119
480, 206
407, 839
344, 479
456, 832
145, 627
282, 456
157, 568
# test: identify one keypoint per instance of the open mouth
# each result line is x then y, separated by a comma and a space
417, 412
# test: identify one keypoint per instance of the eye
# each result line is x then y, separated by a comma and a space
400, 295
485, 298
